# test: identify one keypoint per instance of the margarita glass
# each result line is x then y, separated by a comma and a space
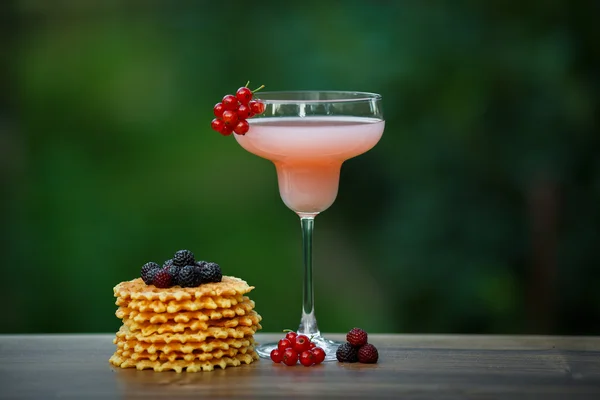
308, 135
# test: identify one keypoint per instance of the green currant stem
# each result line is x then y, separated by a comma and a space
258, 88
247, 83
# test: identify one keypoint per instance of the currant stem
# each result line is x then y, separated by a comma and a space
247, 83
258, 88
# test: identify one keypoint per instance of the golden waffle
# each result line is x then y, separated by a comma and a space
239, 309
209, 345
173, 306
182, 365
174, 356
252, 319
189, 336
137, 290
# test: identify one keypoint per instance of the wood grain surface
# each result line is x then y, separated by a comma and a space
410, 367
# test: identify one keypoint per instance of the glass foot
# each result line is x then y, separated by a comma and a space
329, 346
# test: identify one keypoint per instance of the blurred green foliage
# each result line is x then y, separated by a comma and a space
477, 212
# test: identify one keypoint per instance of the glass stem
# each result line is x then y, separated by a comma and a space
308, 323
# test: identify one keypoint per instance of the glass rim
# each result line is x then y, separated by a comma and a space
295, 96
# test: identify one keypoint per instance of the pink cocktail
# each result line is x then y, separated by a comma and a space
308, 135
308, 153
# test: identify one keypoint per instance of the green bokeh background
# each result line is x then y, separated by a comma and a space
479, 210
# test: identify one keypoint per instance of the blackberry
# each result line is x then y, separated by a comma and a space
183, 258
200, 263
187, 276
198, 274
148, 271
174, 272
168, 262
347, 353
162, 279
210, 272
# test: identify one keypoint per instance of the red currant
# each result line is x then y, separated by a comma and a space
290, 357
230, 102
226, 130
230, 117
291, 336
217, 124
243, 111
244, 95
277, 356
257, 107
319, 355
312, 345
242, 127
218, 110
302, 343
284, 344
307, 358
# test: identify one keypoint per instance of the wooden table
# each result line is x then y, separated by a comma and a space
410, 367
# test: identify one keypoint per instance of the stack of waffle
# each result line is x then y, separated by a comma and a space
185, 329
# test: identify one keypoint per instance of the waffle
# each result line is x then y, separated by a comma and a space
207, 346
239, 309
147, 329
136, 289
174, 356
183, 365
185, 329
189, 336
174, 306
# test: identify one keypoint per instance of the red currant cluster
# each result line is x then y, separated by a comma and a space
296, 347
233, 111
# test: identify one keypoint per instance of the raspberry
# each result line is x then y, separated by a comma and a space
347, 353
210, 272
148, 271
187, 276
162, 279
368, 354
183, 258
356, 337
